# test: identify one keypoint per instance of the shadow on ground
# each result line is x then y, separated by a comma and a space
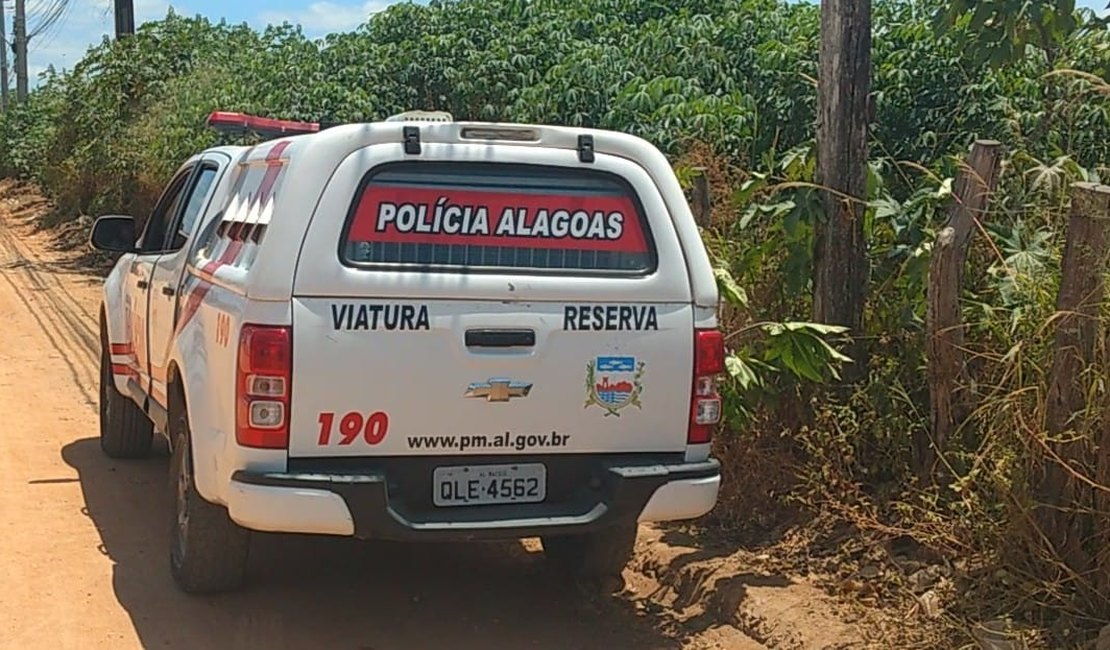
306, 591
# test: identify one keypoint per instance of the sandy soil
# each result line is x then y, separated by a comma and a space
83, 552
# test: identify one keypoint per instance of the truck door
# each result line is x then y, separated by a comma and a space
151, 245
165, 282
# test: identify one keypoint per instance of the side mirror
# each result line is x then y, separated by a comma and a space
115, 234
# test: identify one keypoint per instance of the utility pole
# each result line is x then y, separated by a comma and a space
125, 18
21, 51
3, 59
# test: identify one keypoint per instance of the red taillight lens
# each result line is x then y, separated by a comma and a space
265, 350
705, 403
709, 353
264, 373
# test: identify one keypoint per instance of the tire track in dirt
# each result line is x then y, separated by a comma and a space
28, 253
64, 325
77, 318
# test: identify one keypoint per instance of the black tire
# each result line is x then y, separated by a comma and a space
597, 556
208, 551
125, 431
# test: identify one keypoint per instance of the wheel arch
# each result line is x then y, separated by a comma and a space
106, 357
186, 393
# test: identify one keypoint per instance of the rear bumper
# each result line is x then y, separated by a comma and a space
361, 504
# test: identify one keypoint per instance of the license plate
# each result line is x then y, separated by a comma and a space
480, 485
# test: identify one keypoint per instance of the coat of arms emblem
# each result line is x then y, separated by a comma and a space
614, 383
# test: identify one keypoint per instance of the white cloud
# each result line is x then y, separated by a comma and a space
324, 17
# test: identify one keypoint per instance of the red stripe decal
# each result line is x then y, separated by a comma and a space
278, 149
122, 348
209, 269
231, 253
274, 168
237, 233
124, 369
204, 277
192, 303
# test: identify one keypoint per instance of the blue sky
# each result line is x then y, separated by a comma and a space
87, 21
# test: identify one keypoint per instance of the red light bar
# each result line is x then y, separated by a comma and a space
227, 122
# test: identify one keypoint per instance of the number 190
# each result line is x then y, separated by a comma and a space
371, 428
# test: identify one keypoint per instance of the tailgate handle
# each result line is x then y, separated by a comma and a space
491, 338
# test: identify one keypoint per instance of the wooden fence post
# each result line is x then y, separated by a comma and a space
944, 329
702, 202
841, 268
1064, 500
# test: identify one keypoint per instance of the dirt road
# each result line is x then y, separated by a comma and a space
83, 549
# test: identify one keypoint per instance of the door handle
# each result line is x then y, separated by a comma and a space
168, 290
500, 338
142, 284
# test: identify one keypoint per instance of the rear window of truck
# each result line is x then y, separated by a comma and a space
496, 216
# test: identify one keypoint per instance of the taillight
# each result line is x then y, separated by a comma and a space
264, 375
705, 402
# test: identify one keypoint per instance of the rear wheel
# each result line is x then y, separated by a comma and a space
208, 551
597, 556
125, 431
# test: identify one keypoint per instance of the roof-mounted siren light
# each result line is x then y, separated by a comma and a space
421, 116
238, 123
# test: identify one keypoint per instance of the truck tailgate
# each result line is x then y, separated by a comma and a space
387, 377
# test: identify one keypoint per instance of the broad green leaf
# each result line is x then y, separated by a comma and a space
732, 292
743, 373
819, 328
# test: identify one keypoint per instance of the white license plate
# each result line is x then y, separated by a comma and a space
480, 485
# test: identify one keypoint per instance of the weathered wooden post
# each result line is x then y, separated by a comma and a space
949, 405
840, 265
700, 199
1064, 497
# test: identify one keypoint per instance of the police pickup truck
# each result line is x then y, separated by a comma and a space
415, 329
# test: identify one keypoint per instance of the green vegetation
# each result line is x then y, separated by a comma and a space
727, 85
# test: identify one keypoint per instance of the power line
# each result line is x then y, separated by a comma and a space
47, 31
41, 23
42, 20
47, 17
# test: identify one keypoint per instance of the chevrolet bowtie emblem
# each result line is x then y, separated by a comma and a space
498, 390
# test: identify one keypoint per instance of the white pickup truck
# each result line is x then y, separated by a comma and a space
416, 329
